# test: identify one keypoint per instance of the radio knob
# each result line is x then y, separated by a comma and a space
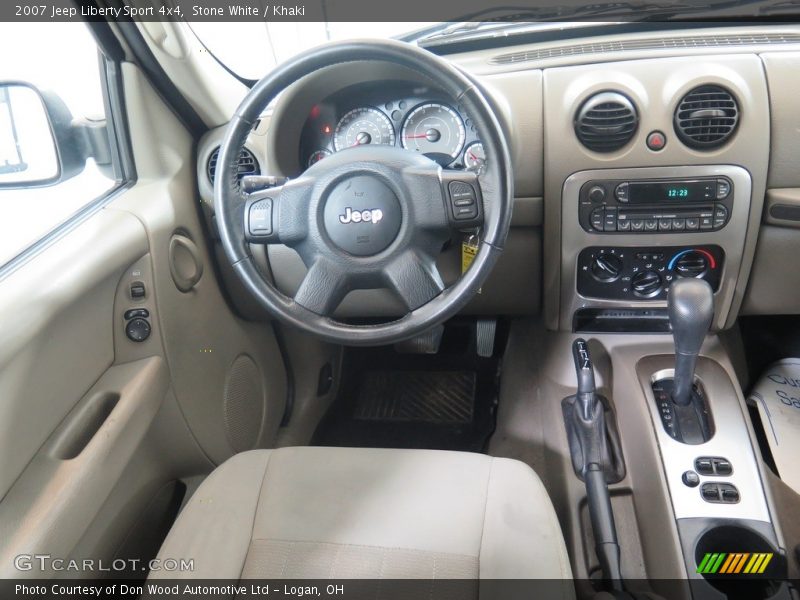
597, 194
646, 284
606, 267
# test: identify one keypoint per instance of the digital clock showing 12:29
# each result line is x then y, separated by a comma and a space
677, 192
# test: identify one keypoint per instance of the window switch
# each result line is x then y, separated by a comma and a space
710, 492
704, 466
137, 291
723, 467
729, 494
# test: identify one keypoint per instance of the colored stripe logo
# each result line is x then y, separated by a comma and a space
734, 563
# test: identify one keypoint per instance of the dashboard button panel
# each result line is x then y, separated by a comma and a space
644, 273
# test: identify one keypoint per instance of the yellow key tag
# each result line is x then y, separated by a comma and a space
469, 248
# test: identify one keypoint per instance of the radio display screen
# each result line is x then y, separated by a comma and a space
651, 192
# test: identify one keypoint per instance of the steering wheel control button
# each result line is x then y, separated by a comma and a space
656, 141
259, 217
137, 330
362, 215
137, 291
463, 201
132, 313
690, 479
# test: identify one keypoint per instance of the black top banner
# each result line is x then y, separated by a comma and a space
394, 10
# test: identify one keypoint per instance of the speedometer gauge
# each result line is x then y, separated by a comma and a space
435, 130
362, 126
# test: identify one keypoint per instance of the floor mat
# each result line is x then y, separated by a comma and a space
445, 401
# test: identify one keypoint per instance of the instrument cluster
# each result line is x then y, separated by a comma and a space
416, 118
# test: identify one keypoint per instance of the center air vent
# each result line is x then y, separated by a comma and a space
706, 117
606, 122
248, 165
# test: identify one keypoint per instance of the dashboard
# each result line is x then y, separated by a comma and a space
417, 118
659, 181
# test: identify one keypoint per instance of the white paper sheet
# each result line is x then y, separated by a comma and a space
777, 395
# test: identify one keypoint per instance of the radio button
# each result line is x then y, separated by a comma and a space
706, 223
664, 224
651, 224
623, 224
678, 224
723, 189
597, 219
610, 223
621, 192
692, 223
637, 225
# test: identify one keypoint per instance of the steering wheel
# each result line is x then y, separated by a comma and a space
367, 217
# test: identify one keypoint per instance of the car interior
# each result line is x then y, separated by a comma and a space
458, 306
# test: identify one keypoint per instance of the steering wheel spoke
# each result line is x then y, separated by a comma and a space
324, 287
414, 277
278, 215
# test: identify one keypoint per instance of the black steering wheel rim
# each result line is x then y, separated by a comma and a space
495, 186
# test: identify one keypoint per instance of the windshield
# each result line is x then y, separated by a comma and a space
269, 44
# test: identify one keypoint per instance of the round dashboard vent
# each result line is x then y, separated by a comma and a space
706, 117
248, 165
606, 122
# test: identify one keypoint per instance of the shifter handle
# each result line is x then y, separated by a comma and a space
691, 308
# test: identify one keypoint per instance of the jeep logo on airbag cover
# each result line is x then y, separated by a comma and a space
362, 215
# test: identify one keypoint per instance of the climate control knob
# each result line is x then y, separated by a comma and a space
606, 267
691, 264
646, 284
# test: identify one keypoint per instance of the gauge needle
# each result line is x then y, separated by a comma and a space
472, 156
414, 137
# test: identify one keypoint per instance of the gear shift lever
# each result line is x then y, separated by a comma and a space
691, 308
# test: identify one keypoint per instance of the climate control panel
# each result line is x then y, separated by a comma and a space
644, 273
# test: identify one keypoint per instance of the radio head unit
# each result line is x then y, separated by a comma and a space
655, 205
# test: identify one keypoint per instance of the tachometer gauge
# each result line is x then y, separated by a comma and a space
317, 156
435, 130
362, 126
474, 156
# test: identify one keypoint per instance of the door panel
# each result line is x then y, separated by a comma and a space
56, 339
93, 424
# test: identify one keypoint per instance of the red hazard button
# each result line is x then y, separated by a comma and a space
656, 140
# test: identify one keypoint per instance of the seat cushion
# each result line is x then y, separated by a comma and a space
368, 513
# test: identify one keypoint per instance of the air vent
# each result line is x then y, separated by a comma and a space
665, 43
706, 117
606, 122
248, 165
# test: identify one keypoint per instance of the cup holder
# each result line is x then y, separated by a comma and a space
723, 554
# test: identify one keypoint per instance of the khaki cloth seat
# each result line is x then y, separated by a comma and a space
310, 512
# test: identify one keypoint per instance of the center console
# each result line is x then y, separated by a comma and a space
627, 234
